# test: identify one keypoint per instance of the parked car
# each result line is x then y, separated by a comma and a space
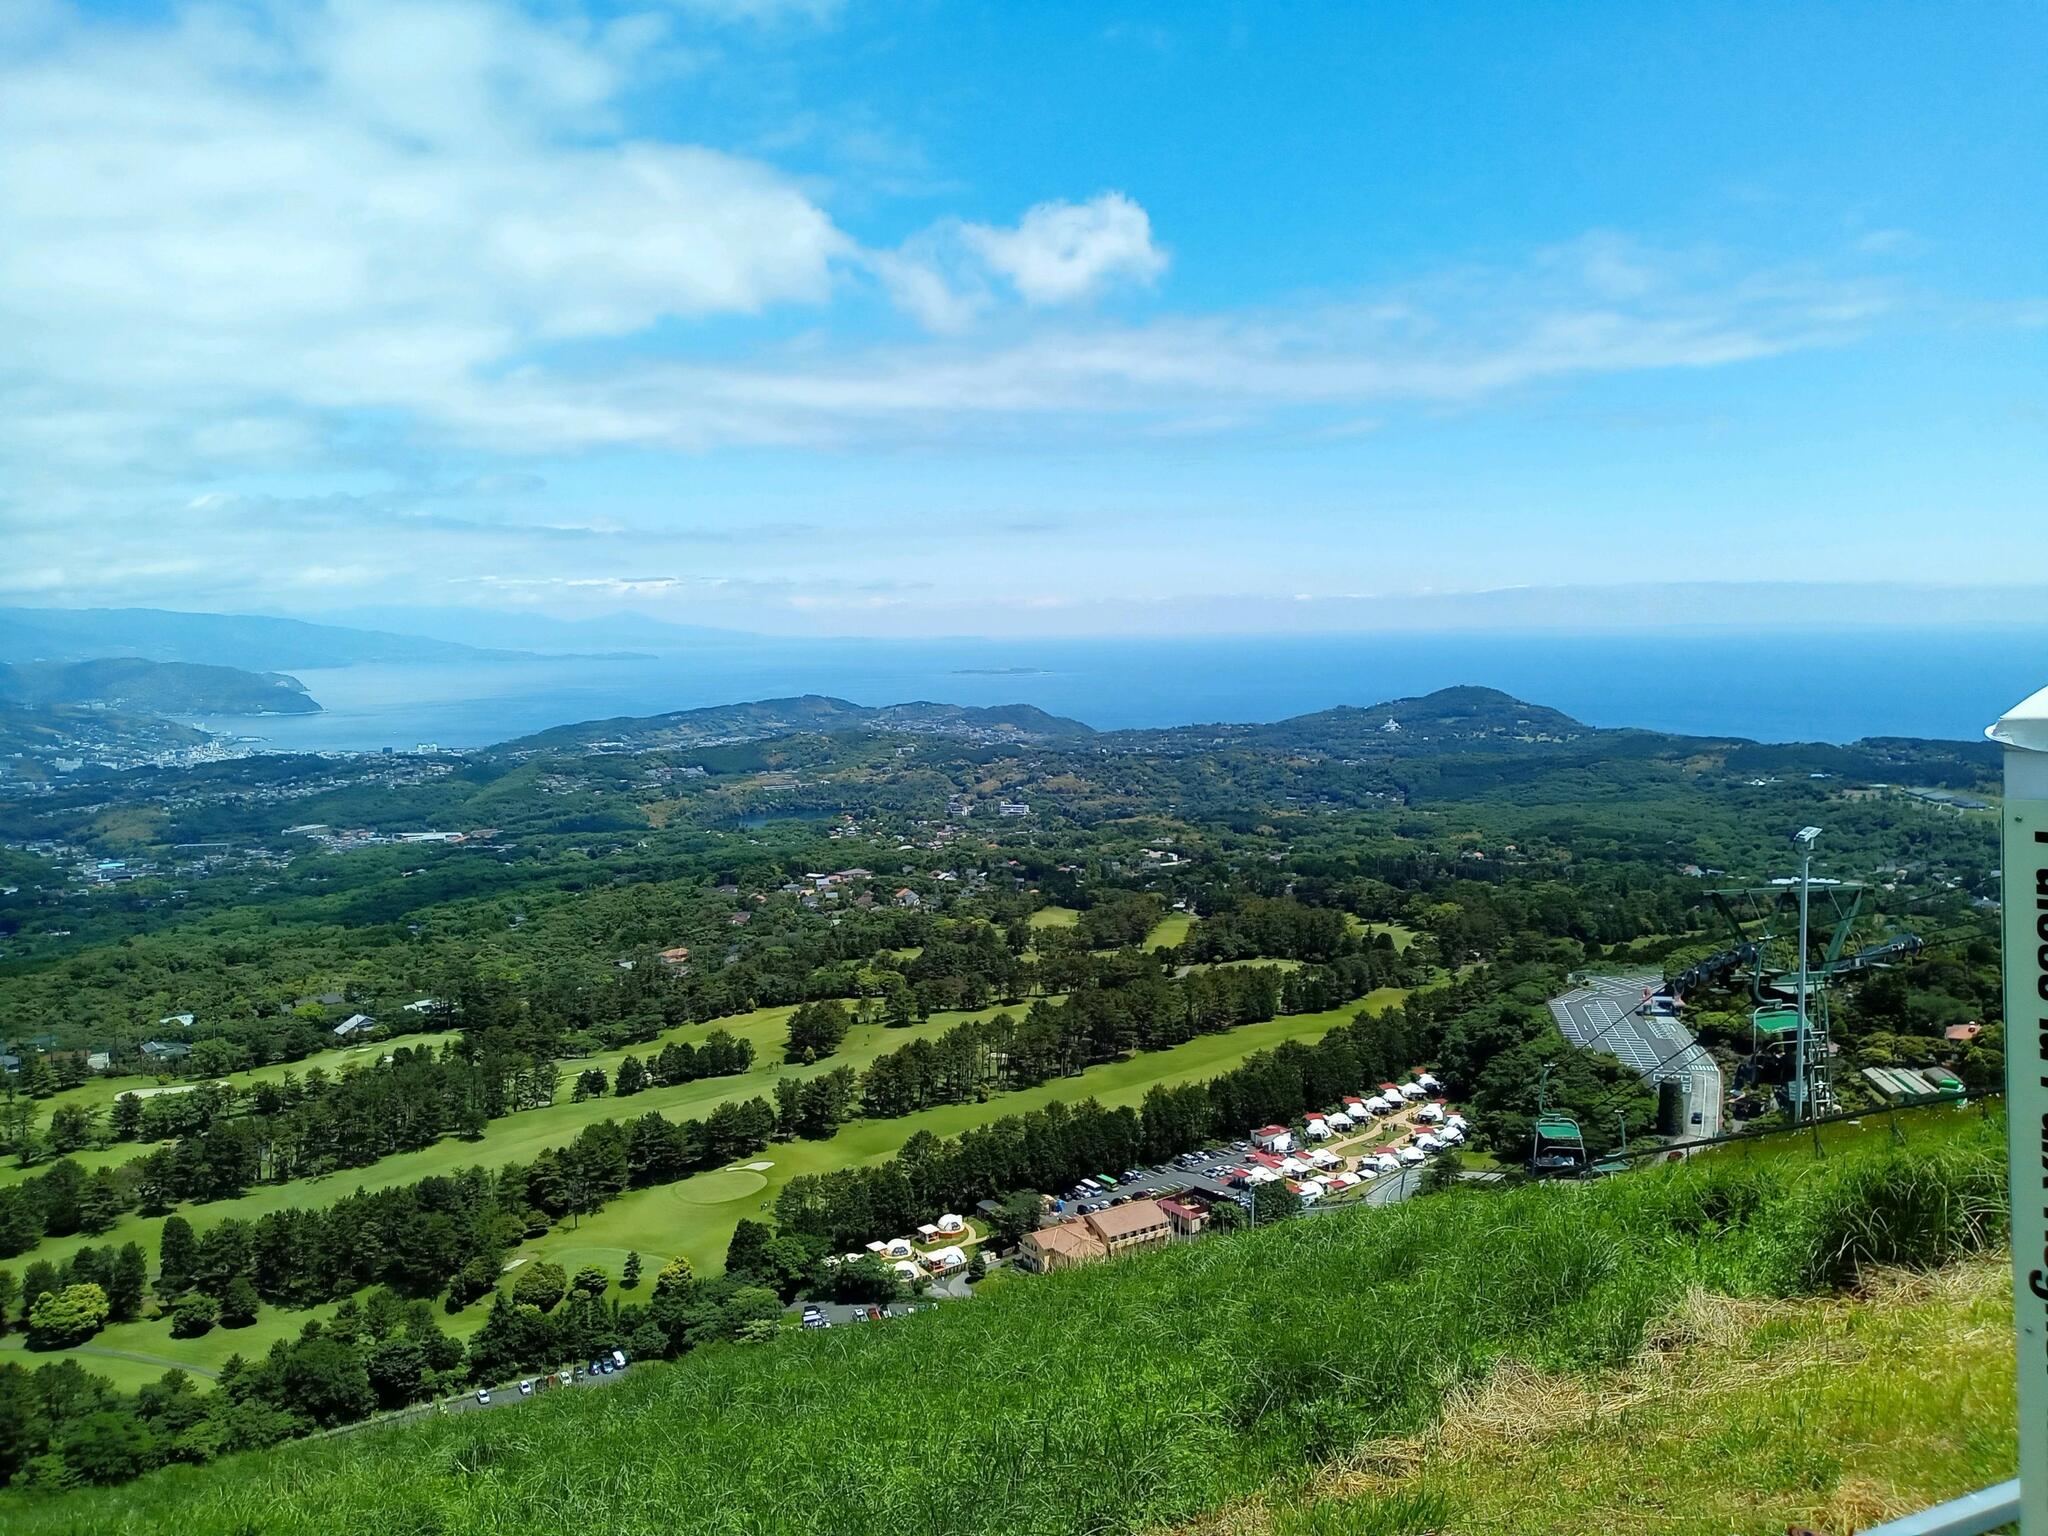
483, 1397
526, 1389
619, 1358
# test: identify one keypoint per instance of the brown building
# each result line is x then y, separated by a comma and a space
1141, 1224
1066, 1246
1188, 1216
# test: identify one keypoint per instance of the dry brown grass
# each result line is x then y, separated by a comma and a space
1738, 1415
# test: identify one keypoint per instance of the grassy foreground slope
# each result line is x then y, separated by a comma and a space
1156, 1391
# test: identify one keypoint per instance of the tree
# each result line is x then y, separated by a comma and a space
816, 1031
327, 1381
677, 1278
396, 1368
477, 1277
125, 1123
630, 1280
1274, 1202
194, 1315
590, 1084
10, 1294
177, 1256
125, 1286
107, 1447
238, 1303
1015, 1215
1226, 1216
38, 1280
977, 1266
68, 1316
743, 1253
540, 1284
631, 1078
591, 1282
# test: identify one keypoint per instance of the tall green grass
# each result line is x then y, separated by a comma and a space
1118, 1398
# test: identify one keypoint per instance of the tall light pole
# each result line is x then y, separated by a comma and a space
1803, 1108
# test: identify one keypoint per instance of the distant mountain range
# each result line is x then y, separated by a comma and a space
249, 641
140, 687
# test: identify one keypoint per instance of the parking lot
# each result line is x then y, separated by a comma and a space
1202, 1176
1606, 1013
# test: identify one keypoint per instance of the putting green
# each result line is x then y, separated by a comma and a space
719, 1187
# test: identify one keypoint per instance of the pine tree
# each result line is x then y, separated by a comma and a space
627, 1281
130, 1278
238, 1303
177, 1254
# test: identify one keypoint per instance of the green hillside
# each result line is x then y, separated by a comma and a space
154, 687
1164, 1389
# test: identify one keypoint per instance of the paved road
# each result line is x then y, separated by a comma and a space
1606, 1014
508, 1394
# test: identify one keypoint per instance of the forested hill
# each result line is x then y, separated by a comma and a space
1447, 719
767, 718
1473, 726
154, 687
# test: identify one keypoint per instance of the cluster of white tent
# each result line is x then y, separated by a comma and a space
1359, 1110
1315, 1172
902, 1254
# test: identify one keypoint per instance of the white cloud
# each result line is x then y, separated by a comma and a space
1061, 253
246, 216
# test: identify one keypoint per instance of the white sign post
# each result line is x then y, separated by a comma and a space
2024, 734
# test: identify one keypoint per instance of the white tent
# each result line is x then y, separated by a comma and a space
1451, 1134
1293, 1165
907, 1270
1340, 1121
1413, 1091
1427, 1083
1321, 1159
945, 1259
951, 1225
1388, 1161
1344, 1180
1430, 1114
1428, 1143
1318, 1130
1413, 1155
1261, 1176
1379, 1105
899, 1247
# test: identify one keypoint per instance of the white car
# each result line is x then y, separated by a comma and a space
483, 1397
526, 1389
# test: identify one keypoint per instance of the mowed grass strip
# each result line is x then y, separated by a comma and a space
1164, 1388
695, 1217
518, 1137
677, 1219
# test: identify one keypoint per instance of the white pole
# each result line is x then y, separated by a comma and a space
2024, 734
1802, 1110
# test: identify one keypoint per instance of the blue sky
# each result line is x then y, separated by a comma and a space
926, 318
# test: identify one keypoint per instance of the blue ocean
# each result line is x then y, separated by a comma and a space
1833, 686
